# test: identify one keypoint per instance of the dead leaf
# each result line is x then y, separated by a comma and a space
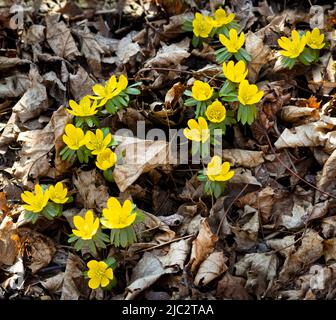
232, 288
127, 48
176, 256
173, 95
59, 38
244, 176
211, 268
38, 250
14, 86
294, 113
9, 242
54, 284
202, 246
80, 84
243, 158
295, 220
329, 250
326, 181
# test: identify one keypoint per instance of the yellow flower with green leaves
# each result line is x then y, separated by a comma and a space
216, 112
315, 39
99, 273
106, 159
87, 227
292, 48
116, 216
197, 131
233, 43
202, 25
58, 193
235, 72
84, 108
221, 18
112, 88
218, 171
74, 137
201, 91
35, 202
96, 141
249, 94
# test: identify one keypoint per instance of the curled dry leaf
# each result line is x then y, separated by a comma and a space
326, 181
294, 113
202, 246
60, 39
38, 250
171, 55
80, 84
173, 95
137, 156
9, 242
260, 270
244, 176
243, 158
328, 226
74, 285
211, 268
14, 86
296, 219
329, 249
127, 48
92, 190
54, 284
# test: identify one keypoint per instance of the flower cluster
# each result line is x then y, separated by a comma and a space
205, 26
45, 201
215, 176
117, 218
304, 47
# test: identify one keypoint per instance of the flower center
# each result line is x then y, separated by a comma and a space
215, 114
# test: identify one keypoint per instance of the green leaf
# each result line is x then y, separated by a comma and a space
195, 41
188, 93
227, 88
287, 62
133, 91
246, 114
190, 102
52, 210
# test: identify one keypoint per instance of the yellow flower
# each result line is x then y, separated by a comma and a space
74, 137
35, 202
202, 25
292, 48
201, 91
216, 112
218, 171
58, 193
248, 94
84, 108
106, 159
111, 89
235, 72
116, 216
197, 131
233, 43
86, 227
221, 18
96, 142
99, 273
315, 39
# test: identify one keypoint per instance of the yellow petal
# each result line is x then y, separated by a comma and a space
94, 283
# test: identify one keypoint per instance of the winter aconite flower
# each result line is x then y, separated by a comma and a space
218, 171
35, 202
84, 108
96, 142
197, 131
221, 18
292, 48
249, 94
233, 43
235, 72
216, 112
202, 25
112, 88
74, 137
201, 91
315, 39
58, 193
99, 273
106, 159
116, 216
86, 227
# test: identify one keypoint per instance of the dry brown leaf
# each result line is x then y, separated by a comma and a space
260, 270
176, 256
9, 242
329, 250
244, 176
202, 246
211, 268
127, 48
243, 158
3, 204
328, 226
171, 55
7, 63
74, 286
59, 38
14, 86
38, 250
296, 219
232, 288
294, 113
36, 149
137, 156
54, 284
173, 95
326, 181
92, 190
80, 84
